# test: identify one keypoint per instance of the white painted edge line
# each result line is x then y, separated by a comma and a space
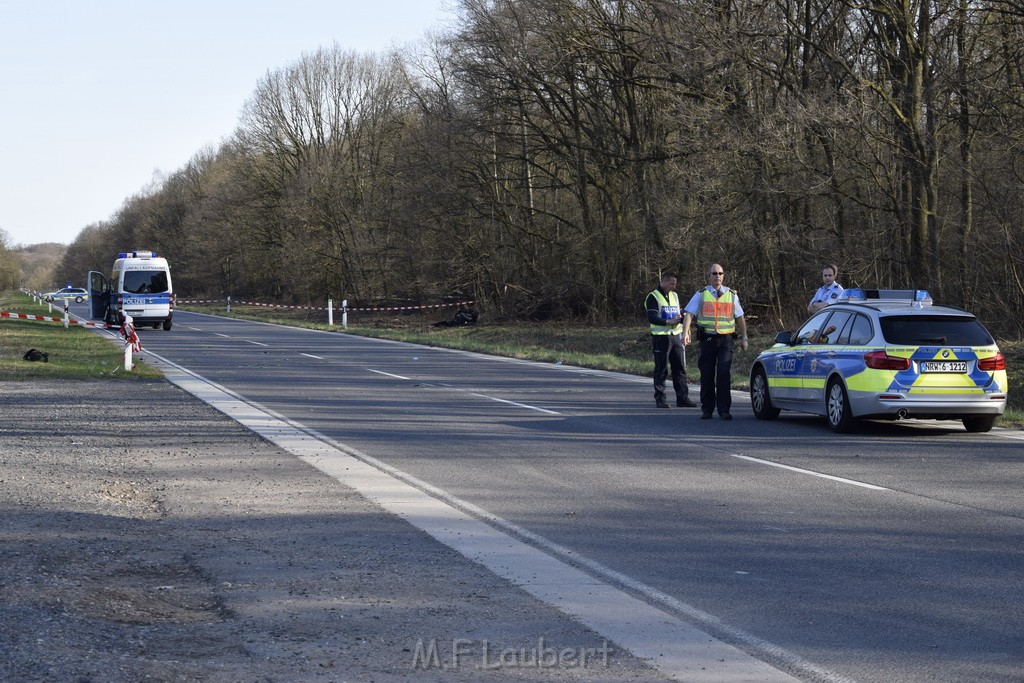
309, 355
852, 482
604, 600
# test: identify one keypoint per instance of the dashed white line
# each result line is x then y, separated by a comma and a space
472, 393
514, 403
387, 374
852, 482
309, 355
255, 343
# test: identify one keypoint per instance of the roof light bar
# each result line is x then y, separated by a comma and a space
137, 254
918, 296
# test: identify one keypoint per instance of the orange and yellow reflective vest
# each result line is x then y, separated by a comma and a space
716, 313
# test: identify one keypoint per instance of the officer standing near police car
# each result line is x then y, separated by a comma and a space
719, 316
665, 320
829, 291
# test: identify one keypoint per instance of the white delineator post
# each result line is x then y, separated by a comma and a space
330, 312
131, 341
344, 314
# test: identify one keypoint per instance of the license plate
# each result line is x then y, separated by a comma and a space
944, 366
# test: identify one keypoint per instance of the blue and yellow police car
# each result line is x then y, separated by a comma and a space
885, 354
69, 292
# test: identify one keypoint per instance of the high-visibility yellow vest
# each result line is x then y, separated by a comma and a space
716, 313
667, 309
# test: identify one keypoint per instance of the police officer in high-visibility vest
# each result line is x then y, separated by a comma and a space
719, 317
665, 319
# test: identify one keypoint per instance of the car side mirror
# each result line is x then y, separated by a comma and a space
784, 337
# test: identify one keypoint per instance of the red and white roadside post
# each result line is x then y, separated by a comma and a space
131, 341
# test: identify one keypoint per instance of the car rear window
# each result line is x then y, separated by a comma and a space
946, 330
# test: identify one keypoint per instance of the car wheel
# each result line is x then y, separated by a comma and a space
79, 299
167, 326
979, 423
837, 408
760, 398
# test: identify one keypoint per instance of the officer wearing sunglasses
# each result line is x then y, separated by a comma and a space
719, 316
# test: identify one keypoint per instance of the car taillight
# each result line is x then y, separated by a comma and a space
996, 362
880, 360
170, 300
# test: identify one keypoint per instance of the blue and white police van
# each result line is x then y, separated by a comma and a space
139, 286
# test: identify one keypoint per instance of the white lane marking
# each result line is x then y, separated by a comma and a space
472, 393
309, 355
195, 329
386, 374
593, 595
226, 336
513, 403
256, 343
852, 482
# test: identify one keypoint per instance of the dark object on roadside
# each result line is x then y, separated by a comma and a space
35, 355
465, 316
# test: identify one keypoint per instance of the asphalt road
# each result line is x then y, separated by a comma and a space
890, 554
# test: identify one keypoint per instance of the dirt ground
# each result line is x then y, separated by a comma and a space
145, 536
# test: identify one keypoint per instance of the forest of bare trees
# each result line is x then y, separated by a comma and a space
549, 158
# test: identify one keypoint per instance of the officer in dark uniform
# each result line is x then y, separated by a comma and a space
665, 320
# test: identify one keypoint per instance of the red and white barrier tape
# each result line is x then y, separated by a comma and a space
315, 308
49, 319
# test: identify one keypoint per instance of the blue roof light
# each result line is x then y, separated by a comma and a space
918, 296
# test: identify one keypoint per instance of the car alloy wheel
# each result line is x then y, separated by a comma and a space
760, 398
837, 407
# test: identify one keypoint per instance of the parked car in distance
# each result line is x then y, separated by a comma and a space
69, 292
888, 354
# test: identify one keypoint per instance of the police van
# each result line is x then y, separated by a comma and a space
139, 286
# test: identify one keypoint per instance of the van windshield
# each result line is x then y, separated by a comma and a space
145, 281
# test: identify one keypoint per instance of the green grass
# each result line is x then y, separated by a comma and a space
74, 353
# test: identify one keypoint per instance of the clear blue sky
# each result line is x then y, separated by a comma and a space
97, 96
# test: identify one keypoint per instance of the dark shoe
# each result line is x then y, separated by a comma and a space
661, 403
726, 416
705, 416
685, 403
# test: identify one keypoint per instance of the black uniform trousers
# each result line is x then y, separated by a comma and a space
669, 352
715, 363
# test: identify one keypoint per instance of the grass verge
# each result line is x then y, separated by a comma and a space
74, 353
618, 349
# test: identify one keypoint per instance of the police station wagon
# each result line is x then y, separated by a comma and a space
888, 354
